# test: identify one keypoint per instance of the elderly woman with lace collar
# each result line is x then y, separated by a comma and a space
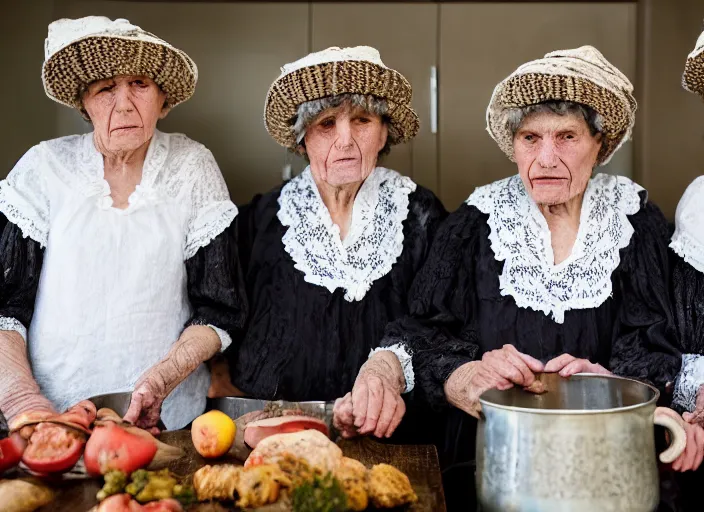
551, 270
688, 292
329, 256
688, 287
687, 265
118, 273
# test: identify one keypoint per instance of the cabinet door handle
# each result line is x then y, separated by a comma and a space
433, 99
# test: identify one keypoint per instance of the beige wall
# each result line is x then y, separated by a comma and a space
670, 143
240, 47
481, 44
409, 46
28, 116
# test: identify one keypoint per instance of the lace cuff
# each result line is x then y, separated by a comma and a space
210, 222
12, 324
225, 339
690, 378
406, 361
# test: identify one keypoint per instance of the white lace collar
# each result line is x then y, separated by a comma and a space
688, 240
373, 243
521, 238
176, 170
96, 184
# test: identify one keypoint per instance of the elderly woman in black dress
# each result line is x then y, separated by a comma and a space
554, 269
688, 270
329, 256
687, 266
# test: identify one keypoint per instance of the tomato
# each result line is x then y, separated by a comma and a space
125, 503
11, 450
53, 448
119, 503
169, 505
111, 447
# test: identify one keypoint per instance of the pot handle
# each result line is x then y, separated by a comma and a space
677, 433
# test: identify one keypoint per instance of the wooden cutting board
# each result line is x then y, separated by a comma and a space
419, 462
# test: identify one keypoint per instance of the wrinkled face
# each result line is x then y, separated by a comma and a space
555, 156
124, 111
343, 144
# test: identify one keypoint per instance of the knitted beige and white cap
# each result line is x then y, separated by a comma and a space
581, 75
334, 71
693, 77
78, 52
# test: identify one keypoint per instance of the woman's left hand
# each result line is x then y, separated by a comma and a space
375, 405
567, 365
697, 416
197, 344
145, 406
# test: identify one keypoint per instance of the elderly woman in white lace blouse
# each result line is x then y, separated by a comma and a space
551, 270
329, 256
118, 274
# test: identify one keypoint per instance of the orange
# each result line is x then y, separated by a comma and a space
213, 434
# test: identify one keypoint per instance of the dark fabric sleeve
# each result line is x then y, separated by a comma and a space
688, 298
21, 265
645, 344
259, 211
438, 332
216, 287
426, 214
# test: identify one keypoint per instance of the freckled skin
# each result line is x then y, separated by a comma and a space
555, 156
343, 144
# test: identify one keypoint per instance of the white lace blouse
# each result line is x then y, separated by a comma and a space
112, 295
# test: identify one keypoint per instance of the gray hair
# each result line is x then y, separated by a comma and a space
310, 110
594, 120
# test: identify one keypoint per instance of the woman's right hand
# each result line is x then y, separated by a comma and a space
375, 404
498, 369
693, 454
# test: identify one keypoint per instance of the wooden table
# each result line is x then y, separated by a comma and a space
419, 462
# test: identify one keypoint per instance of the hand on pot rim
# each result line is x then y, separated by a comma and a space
567, 365
499, 369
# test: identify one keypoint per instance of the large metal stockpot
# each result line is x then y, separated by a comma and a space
586, 444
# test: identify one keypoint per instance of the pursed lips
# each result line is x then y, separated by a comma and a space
123, 128
547, 179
